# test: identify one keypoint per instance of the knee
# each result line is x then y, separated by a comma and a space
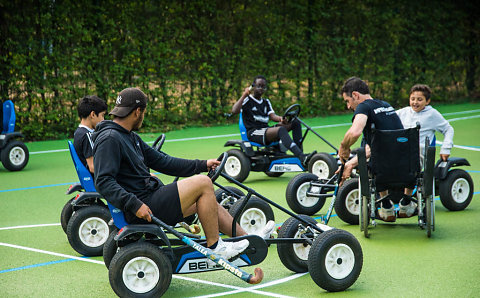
204, 182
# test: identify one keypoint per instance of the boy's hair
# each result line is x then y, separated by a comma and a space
91, 103
355, 84
258, 77
427, 92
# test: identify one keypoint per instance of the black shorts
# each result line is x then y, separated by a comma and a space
165, 204
258, 135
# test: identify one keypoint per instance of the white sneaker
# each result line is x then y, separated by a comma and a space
387, 214
267, 230
407, 210
228, 250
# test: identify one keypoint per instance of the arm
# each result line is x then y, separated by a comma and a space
238, 105
352, 135
447, 130
90, 164
275, 117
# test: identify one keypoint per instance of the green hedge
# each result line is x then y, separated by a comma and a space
194, 58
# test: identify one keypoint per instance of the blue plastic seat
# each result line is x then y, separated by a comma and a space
86, 180
243, 134
8, 117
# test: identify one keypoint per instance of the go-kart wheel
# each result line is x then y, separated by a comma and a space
323, 165
158, 143
238, 165
213, 174
255, 215
88, 230
140, 269
66, 214
15, 156
297, 198
335, 260
227, 199
294, 256
292, 112
274, 174
347, 203
456, 190
110, 247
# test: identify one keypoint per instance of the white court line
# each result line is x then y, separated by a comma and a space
240, 289
29, 226
461, 147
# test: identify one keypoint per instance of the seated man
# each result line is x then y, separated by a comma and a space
122, 161
257, 111
91, 110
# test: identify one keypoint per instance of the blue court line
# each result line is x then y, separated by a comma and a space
36, 265
42, 186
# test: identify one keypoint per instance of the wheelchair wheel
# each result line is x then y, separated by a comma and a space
335, 260
364, 216
255, 215
110, 247
430, 215
323, 165
88, 230
66, 214
226, 199
347, 205
294, 256
140, 269
14, 156
456, 190
237, 165
297, 198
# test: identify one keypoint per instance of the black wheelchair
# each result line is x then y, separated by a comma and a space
395, 162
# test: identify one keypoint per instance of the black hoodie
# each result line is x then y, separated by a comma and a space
121, 161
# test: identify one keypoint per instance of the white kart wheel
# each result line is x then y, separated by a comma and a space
252, 219
93, 232
17, 156
352, 202
233, 166
339, 261
140, 275
460, 190
302, 197
320, 168
301, 250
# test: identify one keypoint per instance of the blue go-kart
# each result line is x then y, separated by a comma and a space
142, 258
273, 159
13, 152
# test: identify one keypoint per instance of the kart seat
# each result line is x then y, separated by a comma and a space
243, 133
86, 180
8, 117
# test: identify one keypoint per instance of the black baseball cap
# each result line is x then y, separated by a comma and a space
127, 100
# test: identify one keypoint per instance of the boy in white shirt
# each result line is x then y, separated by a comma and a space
430, 121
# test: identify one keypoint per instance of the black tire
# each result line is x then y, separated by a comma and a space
347, 203
237, 166
226, 199
429, 215
88, 230
110, 247
323, 165
335, 260
274, 174
294, 256
456, 190
66, 214
255, 215
15, 156
140, 261
296, 195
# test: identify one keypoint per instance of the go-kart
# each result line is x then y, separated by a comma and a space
13, 152
273, 159
142, 258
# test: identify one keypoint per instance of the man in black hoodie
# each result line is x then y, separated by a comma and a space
122, 161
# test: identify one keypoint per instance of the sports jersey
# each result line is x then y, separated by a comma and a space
381, 114
256, 112
82, 141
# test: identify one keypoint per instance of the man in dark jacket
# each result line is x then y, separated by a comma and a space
122, 161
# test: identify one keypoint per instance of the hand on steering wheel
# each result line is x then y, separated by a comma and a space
213, 174
292, 112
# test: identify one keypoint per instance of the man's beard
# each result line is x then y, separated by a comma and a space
137, 124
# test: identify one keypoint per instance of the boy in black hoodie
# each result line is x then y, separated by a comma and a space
122, 161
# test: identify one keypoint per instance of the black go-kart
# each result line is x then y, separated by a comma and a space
273, 159
13, 152
142, 258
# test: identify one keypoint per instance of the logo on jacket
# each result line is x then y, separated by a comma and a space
402, 140
254, 108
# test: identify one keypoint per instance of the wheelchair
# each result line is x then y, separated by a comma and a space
13, 152
141, 258
395, 163
272, 159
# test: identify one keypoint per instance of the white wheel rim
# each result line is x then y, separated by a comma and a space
460, 190
93, 232
301, 250
352, 202
253, 220
233, 166
320, 168
339, 261
17, 156
302, 197
140, 275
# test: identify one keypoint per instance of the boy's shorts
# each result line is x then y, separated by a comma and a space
257, 135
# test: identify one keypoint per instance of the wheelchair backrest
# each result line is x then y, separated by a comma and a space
86, 180
395, 156
243, 134
8, 117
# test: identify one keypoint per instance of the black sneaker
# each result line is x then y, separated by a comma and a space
305, 158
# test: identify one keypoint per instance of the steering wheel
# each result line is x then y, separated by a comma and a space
213, 174
292, 112
157, 145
